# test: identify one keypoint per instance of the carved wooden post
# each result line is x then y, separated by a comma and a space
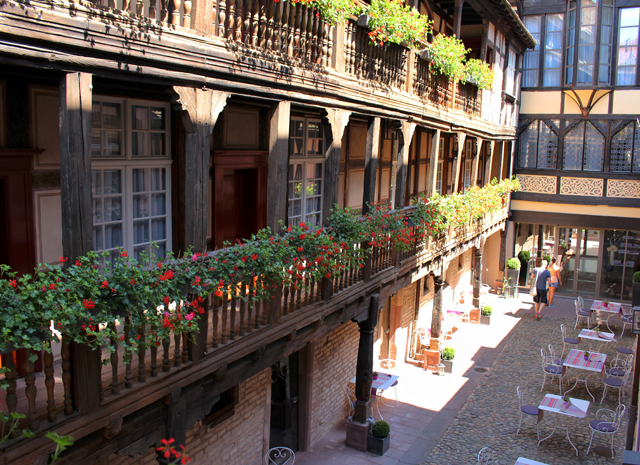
30, 390
49, 383
166, 361
164, 12
115, 358
434, 154
372, 150
175, 14
436, 314
477, 275
488, 162
335, 123
65, 354
407, 130
198, 347
222, 16
476, 161
358, 428
457, 161
176, 420
11, 398
278, 165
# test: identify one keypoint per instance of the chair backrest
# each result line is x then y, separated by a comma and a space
577, 305
520, 393
619, 414
485, 456
280, 456
581, 302
564, 331
552, 354
387, 364
544, 358
351, 393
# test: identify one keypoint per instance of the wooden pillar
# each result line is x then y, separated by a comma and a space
457, 161
436, 313
434, 152
503, 249
337, 121
307, 357
201, 109
488, 162
410, 64
358, 428
502, 161
476, 162
77, 219
278, 165
477, 276
407, 130
176, 421
457, 17
372, 151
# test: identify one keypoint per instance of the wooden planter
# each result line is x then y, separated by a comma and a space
485, 320
378, 446
474, 315
448, 366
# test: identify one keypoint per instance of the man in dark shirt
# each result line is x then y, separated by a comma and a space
540, 276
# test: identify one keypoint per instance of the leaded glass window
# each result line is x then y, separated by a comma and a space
625, 149
606, 40
583, 148
528, 146
538, 146
572, 150
547, 148
593, 149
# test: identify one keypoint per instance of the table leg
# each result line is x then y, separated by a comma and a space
555, 424
569, 438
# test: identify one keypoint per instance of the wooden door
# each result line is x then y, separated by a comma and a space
239, 195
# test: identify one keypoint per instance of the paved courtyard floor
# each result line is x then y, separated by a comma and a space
447, 420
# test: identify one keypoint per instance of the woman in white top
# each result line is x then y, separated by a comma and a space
556, 279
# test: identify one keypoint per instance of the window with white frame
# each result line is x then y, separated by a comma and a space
511, 85
468, 160
628, 29
440, 166
306, 170
131, 176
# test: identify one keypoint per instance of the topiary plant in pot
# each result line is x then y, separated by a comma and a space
379, 440
635, 296
485, 318
513, 271
448, 354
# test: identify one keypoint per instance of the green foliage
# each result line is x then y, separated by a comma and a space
332, 11
547, 258
9, 423
392, 21
448, 353
447, 57
62, 442
380, 429
513, 264
487, 310
636, 277
524, 256
480, 73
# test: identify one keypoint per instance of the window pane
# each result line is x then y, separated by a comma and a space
158, 179
547, 148
528, 146
112, 184
157, 144
158, 204
572, 153
553, 50
627, 46
112, 143
97, 211
593, 149
139, 143
139, 117
297, 128
112, 209
112, 236
140, 231
622, 150
111, 117
96, 115
158, 230
140, 206
97, 238
96, 182
138, 180
157, 118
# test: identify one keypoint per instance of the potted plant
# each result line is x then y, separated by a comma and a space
379, 439
566, 402
480, 73
513, 271
587, 355
485, 318
605, 303
375, 375
524, 257
635, 296
448, 354
390, 21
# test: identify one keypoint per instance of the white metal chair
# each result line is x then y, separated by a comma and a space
280, 456
557, 360
389, 364
627, 320
582, 313
607, 422
619, 366
526, 409
615, 382
485, 456
581, 302
572, 341
549, 367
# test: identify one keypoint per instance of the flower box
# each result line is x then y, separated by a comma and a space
485, 320
364, 20
378, 446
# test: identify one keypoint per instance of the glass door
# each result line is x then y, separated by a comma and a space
567, 250
587, 279
621, 253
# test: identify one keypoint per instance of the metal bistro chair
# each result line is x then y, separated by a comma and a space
619, 366
389, 364
280, 456
606, 422
485, 456
525, 409
556, 358
617, 383
572, 341
627, 320
582, 313
550, 368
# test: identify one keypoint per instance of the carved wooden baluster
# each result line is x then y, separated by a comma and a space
152, 10
65, 354
243, 305
214, 15
154, 359
177, 353
291, 30
11, 397
186, 20
264, 312
257, 11
238, 23
164, 12
262, 23
285, 299
111, 4
314, 39
185, 348
232, 18
214, 322
308, 30
302, 43
292, 303
330, 35
247, 15
166, 360
250, 307
358, 49
142, 369
126, 6
128, 377
139, 8
115, 383
272, 8
312, 292
346, 51
325, 43
175, 14
224, 330
278, 26
100, 385
222, 16
296, 31
30, 389
232, 323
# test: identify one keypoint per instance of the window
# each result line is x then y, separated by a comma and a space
553, 51
440, 166
583, 148
628, 46
468, 160
531, 62
306, 169
538, 146
130, 177
625, 149
583, 44
511, 85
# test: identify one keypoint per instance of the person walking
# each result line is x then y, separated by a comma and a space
540, 276
556, 279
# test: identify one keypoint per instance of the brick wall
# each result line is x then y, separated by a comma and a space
335, 360
237, 441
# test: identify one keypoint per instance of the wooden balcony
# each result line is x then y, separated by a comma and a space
236, 340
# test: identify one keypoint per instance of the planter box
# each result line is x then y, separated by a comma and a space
512, 277
474, 315
378, 446
426, 54
448, 366
635, 296
485, 320
431, 358
524, 273
363, 20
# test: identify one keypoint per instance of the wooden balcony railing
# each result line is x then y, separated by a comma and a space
230, 328
468, 99
436, 89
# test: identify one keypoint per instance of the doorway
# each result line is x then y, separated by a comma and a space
578, 252
239, 191
285, 396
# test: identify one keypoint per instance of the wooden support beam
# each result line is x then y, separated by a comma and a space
436, 313
477, 275
488, 162
407, 130
434, 152
364, 367
278, 165
201, 109
337, 121
176, 420
457, 161
476, 162
371, 154
307, 357
410, 64
457, 17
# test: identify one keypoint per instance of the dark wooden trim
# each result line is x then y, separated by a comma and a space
541, 10
577, 199
577, 174
305, 414
277, 183
372, 152
583, 221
